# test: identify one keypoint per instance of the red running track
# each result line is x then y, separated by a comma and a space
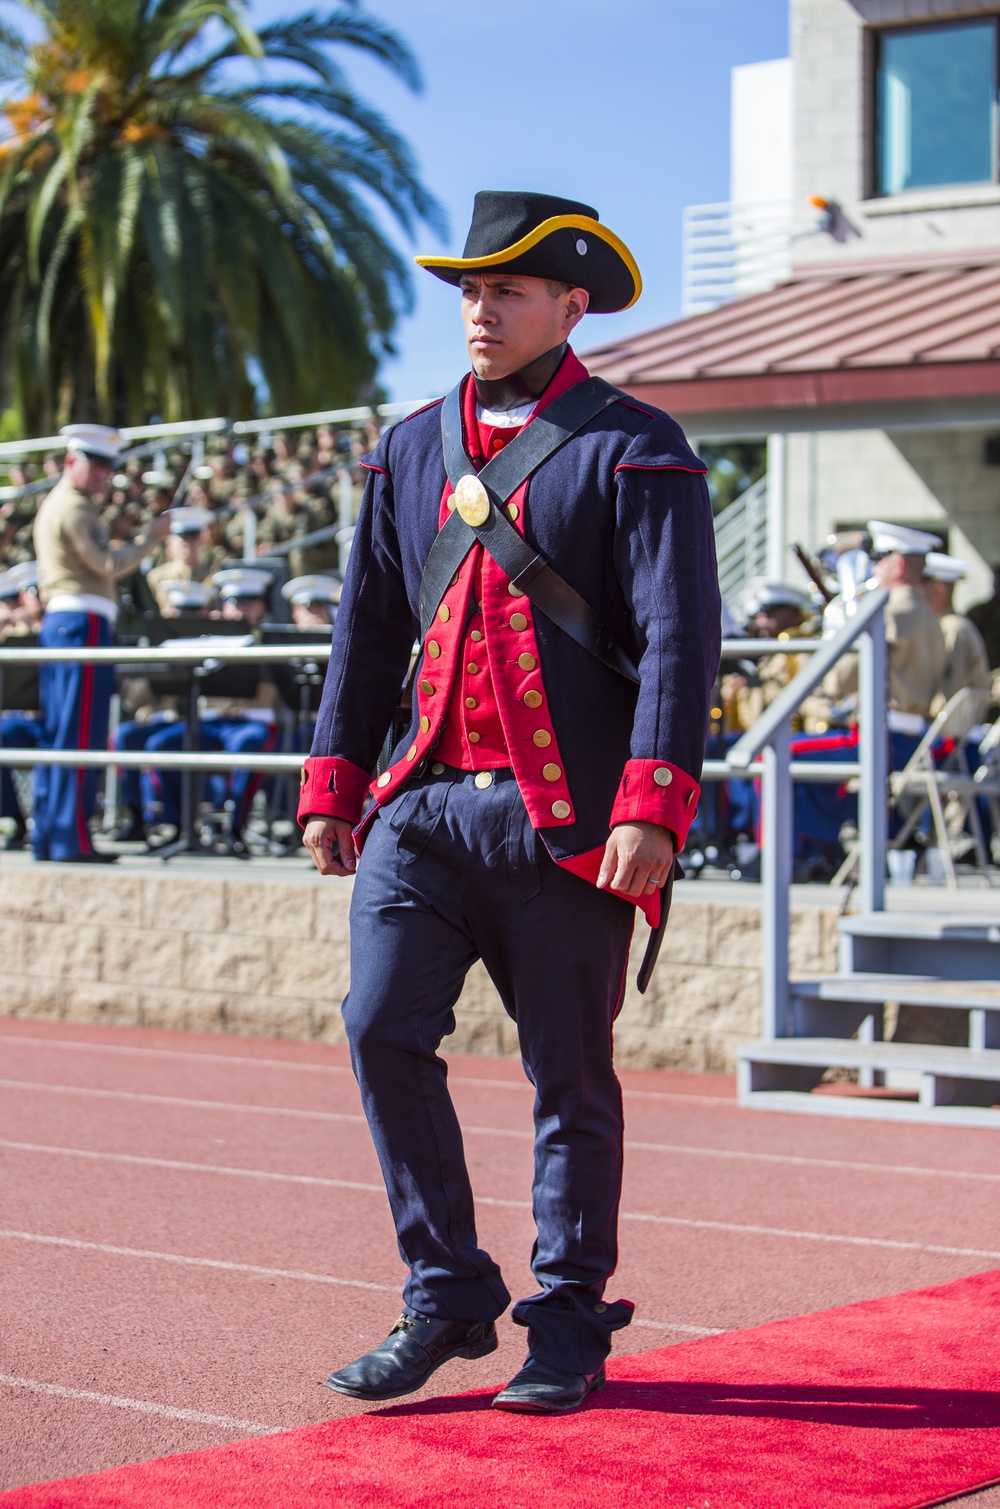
193, 1229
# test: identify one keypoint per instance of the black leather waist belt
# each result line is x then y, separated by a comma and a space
478, 516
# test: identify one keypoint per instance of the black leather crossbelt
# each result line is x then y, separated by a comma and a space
529, 572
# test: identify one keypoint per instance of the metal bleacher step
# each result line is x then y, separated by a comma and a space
952, 946
837, 1005
957, 1086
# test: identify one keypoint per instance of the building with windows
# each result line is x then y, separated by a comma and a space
846, 303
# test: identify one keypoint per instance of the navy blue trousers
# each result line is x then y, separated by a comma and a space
76, 702
161, 789
20, 731
451, 873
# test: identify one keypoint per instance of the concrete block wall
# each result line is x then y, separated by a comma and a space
272, 957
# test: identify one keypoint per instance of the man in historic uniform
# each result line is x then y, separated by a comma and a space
967, 665
78, 567
548, 541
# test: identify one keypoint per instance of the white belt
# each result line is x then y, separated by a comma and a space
83, 602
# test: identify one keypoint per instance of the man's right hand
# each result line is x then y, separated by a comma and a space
330, 841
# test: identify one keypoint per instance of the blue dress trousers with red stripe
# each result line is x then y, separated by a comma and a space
76, 703
498, 865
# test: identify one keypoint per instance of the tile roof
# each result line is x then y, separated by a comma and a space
876, 319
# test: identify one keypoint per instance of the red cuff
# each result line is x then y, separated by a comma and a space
654, 791
332, 787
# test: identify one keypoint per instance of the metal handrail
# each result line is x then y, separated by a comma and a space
771, 737
255, 654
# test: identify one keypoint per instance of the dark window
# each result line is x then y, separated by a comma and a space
936, 106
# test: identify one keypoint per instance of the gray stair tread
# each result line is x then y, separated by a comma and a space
953, 927
836, 1052
870, 1108
908, 990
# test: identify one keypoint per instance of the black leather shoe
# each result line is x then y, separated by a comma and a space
93, 858
541, 1390
414, 1348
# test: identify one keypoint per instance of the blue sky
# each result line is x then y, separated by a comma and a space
623, 104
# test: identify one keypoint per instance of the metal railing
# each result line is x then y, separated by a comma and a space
771, 738
731, 250
741, 540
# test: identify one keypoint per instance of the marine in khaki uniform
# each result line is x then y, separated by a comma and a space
78, 567
967, 664
915, 643
184, 561
774, 609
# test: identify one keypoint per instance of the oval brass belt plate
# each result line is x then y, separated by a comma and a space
472, 501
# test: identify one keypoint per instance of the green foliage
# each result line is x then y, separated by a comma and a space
189, 206
732, 468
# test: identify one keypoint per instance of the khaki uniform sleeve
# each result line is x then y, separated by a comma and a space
91, 544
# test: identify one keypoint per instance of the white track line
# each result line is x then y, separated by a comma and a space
674, 1148
688, 1223
141, 1406
519, 1085
198, 1262
663, 1325
306, 1277
194, 1168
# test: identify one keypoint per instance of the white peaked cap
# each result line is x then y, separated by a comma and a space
95, 439
768, 592
186, 594
242, 581
944, 568
24, 575
311, 589
189, 520
888, 538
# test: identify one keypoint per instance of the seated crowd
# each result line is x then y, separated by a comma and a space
196, 583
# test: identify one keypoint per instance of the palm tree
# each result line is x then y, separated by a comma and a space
192, 210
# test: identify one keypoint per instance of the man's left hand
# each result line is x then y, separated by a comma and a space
637, 859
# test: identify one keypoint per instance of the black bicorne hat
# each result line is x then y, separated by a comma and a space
541, 236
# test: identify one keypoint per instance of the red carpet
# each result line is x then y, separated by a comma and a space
890, 1404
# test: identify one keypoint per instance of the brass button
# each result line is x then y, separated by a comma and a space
476, 635
303, 778
437, 768
444, 613
518, 621
497, 442
471, 702
514, 591
411, 753
425, 724
527, 662
662, 776
472, 501
689, 799
384, 778
512, 510
451, 503
542, 738
561, 809
484, 779
600, 1309
472, 668
474, 738
532, 699
454, 580
433, 649
551, 772
427, 687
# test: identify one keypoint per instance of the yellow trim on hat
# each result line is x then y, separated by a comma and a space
556, 223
